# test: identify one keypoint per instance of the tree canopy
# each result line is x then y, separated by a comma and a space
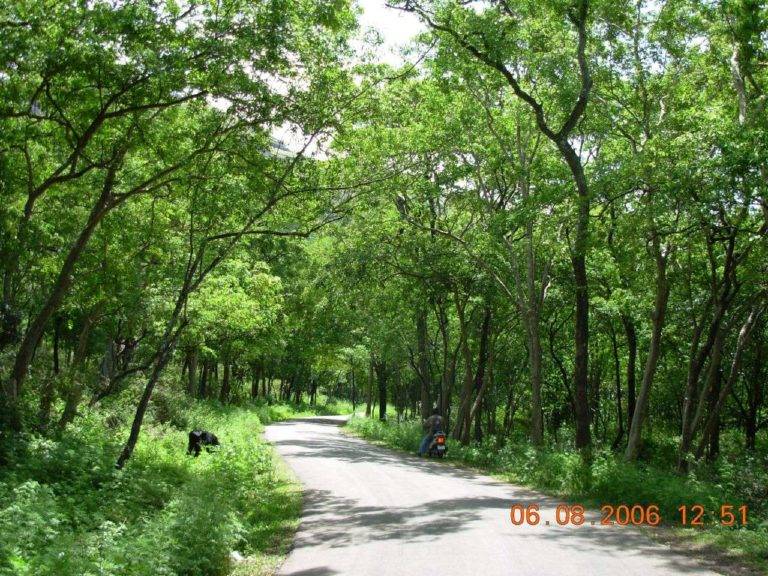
550, 222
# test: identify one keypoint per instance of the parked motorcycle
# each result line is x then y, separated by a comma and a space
437, 448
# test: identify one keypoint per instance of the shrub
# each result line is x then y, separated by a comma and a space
65, 510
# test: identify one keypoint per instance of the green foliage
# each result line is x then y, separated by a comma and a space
425, 245
269, 413
66, 510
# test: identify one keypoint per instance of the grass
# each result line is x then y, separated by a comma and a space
282, 411
65, 510
607, 479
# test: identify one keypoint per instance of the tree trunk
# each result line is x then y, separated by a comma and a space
537, 413
256, 372
631, 335
617, 385
466, 391
704, 398
755, 391
74, 391
483, 378
595, 377
510, 407
369, 390
714, 432
449, 364
423, 363
579, 265
192, 373
266, 384
13, 386
712, 424
654, 351
203, 392
381, 378
226, 382
57, 321
722, 295
480, 379
165, 350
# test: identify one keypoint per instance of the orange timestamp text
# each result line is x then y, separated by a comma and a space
625, 515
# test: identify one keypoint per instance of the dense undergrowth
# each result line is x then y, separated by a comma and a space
66, 510
736, 480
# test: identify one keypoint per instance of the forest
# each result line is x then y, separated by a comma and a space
549, 223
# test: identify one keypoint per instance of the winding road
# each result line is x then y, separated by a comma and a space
372, 511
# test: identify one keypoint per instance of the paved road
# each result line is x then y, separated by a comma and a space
371, 511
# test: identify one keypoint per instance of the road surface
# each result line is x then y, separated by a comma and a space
369, 511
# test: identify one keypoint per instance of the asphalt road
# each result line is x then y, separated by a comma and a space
372, 511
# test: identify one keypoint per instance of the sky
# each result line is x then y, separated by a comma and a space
395, 26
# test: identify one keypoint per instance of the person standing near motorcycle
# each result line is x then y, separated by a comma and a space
432, 425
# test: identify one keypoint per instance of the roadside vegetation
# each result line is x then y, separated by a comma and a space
549, 220
738, 479
65, 509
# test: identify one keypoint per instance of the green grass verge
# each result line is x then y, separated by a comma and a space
65, 510
324, 407
607, 479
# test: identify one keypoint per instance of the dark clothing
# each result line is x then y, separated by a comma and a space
432, 425
200, 438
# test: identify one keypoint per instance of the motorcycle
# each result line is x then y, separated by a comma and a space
437, 448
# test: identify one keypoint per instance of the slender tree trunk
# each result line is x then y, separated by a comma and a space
466, 392
529, 301
446, 381
204, 379
654, 351
579, 265
165, 351
48, 392
712, 424
381, 378
480, 379
631, 335
483, 379
696, 365
617, 385
722, 295
369, 390
266, 384
755, 391
61, 286
537, 413
192, 373
423, 363
57, 321
226, 383
714, 432
510, 407
256, 372
74, 390
595, 377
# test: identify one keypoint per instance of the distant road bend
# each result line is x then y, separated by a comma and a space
369, 511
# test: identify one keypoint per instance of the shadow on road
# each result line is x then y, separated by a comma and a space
319, 571
353, 450
331, 521
627, 542
368, 523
